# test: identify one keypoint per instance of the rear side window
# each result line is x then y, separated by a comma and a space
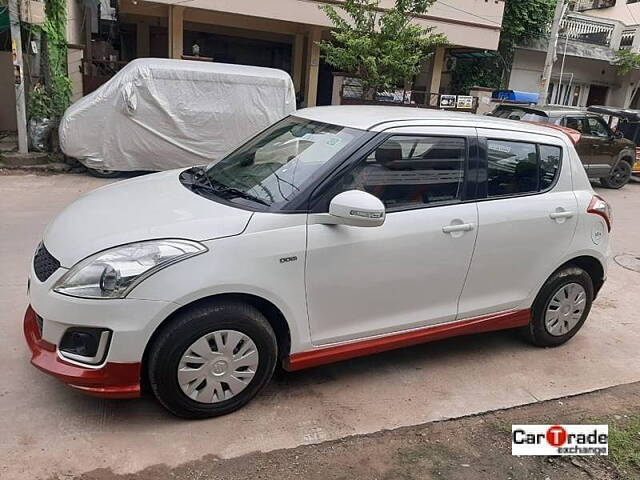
549, 165
519, 167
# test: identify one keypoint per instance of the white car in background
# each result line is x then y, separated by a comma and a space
160, 114
336, 232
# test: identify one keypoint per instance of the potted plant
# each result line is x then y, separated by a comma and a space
40, 110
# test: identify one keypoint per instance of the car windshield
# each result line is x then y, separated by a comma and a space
275, 166
520, 114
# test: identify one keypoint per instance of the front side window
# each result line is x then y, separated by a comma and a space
410, 172
274, 167
597, 128
577, 123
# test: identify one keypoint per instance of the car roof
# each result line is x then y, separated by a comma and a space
370, 117
626, 113
549, 110
364, 117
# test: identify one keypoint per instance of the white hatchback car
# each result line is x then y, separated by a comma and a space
336, 232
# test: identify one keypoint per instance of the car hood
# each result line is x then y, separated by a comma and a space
143, 208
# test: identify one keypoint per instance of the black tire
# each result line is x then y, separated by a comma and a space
100, 173
189, 326
618, 177
536, 332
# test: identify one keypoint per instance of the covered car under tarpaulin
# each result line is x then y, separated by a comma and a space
158, 114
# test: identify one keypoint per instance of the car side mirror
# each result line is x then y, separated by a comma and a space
353, 207
618, 134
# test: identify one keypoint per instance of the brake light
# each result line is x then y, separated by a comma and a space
599, 206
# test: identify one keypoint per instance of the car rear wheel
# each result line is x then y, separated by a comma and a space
213, 359
561, 307
619, 176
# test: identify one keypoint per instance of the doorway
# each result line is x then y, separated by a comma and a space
597, 95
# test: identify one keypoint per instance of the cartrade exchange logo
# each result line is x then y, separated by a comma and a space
559, 439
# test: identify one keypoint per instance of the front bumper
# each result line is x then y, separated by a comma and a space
112, 380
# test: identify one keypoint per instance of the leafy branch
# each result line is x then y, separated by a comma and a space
383, 48
59, 85
626, 61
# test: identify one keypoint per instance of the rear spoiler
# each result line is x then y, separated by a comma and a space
574, 135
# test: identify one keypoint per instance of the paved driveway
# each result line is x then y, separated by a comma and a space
46, 428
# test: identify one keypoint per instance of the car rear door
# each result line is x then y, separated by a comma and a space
527, 214
410, 271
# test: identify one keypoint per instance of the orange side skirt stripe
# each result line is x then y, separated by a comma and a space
487, 323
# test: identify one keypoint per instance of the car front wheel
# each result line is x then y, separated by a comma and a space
561, 307
211, 360
618, 177
102, 173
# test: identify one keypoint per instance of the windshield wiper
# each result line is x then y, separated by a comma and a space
218, 188
239, 193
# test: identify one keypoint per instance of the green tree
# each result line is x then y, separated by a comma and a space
627, 62
522, 22
383, 48
55, 26
485, 72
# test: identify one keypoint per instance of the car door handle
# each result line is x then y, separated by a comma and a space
461, 227
564, 214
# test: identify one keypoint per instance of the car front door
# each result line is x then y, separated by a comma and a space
526, 221
588, 147
409, 272
604, 146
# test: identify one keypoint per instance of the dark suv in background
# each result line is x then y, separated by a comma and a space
605, 154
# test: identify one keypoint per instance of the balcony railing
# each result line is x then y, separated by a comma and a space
582, 29
582, 5
627, 38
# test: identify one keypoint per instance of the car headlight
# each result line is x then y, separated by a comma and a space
115, 272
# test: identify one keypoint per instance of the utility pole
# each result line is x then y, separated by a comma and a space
551, 52
16, 50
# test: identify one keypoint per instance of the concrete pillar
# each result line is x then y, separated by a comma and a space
616, 36
635, 47
74, 67
436, 70
142, 39
313, 64
176, 31
298, 51
336, 92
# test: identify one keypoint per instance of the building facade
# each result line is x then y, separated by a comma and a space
584, 73
275, 33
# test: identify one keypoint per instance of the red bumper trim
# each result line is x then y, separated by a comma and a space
113, 380
487, 323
